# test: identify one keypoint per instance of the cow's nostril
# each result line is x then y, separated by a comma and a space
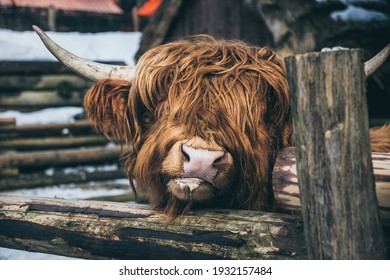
185, 155
222, 160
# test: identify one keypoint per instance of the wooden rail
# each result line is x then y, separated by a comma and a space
105, 230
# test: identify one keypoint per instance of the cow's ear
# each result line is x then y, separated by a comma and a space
106, 103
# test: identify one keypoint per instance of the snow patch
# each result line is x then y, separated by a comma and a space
105, 46
45, 116
90, 168
71, 191
50, 171
11, 254
357, 14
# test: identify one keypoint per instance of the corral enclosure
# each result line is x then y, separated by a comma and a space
43, 155
64, 155
47, 146
53, 159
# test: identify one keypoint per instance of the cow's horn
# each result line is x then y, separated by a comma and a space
91, 70
374, 63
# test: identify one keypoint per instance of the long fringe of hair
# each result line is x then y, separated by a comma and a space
226, 91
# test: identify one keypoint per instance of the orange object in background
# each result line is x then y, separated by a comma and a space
149, 8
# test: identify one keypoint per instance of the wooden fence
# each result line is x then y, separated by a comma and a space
334, 168
39, 155
334, 163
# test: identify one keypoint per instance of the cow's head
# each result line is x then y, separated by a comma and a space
204, 120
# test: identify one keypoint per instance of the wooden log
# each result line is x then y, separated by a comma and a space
103, 230
40, 82
52, 18
38, 67
334, 164
116, 198
9, 172
7, 131
286, 189
35, 100
7, 123
81, 127
60, 157
51, 143
7, 128
39, 180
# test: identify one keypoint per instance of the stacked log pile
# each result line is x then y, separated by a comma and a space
31, 85
40, 155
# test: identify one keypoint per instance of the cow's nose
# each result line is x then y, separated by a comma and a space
202, 164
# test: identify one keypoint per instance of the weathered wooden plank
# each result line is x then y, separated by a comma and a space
81, 127
286, 189
38, 67
7, 123
40, 82
334, 164
35, 100
60, 157
7, 128
33, 180
32, 67
51, 143
102, 230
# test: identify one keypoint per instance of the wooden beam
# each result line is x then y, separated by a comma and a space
61, 225
7, 131
81, 127
40, 82
52, 143
286, 189
107, 230
34, 180
7, 128
60, 157
103, 230
334, 164
9, 67
35, 100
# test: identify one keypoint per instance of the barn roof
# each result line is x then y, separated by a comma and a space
94, 6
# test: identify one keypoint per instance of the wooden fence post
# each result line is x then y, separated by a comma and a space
339, 205
52, 18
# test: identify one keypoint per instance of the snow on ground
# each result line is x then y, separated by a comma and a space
10, 254
106, 46
74, 191
353, 13
45, 116
357, 14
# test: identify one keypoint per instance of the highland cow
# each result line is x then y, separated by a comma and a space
202, 121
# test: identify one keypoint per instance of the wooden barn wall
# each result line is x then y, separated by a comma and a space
227, 19
21, 19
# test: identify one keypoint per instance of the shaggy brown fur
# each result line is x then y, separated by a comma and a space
380, 139
225, 92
